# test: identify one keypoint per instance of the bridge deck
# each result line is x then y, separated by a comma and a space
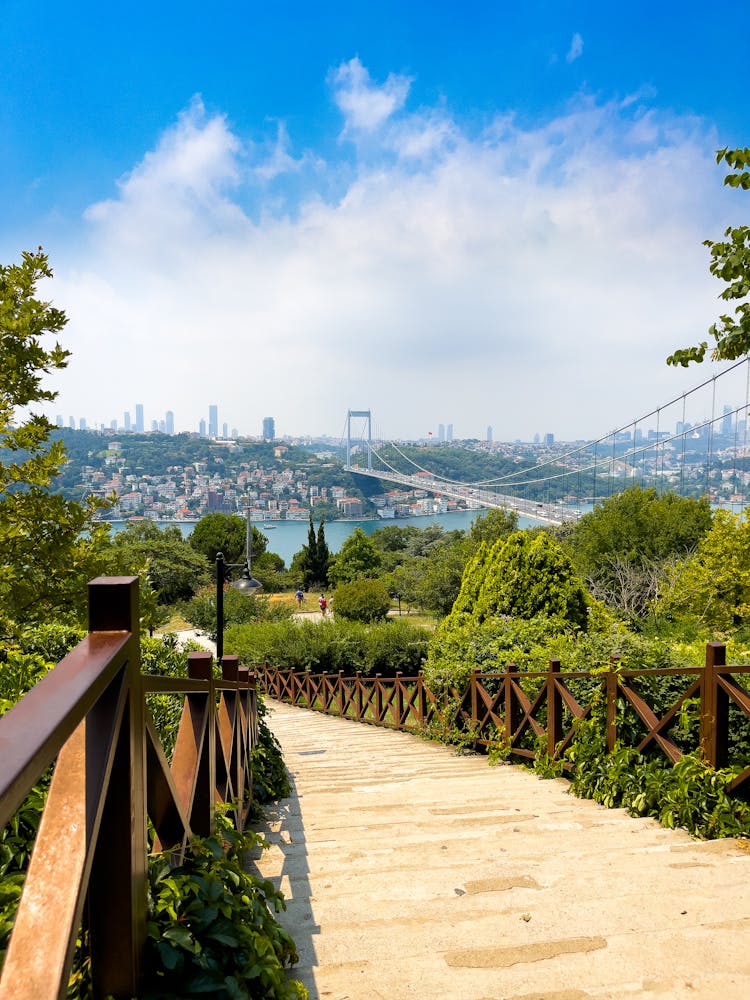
411, 871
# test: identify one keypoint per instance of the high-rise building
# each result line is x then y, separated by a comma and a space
126, 420
225, 430
169, 422
449, 433
72, 423
139, 418
549, 439
269, 429
154, 425
59, 420
202, 428
441, 433
726, 421
82, 424
213, 421
489, 433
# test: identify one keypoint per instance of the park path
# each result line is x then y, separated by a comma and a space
412, 871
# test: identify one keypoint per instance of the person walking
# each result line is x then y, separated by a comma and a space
300, 596
323, 604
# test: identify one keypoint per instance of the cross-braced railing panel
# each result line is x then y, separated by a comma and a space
89, 716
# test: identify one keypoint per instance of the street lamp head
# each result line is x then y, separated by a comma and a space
247, 584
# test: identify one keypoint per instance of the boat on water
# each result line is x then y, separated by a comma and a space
269, 527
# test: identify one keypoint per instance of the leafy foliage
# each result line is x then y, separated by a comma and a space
48, 545
330, 646
362, 601
357, 558
730, 262
171, 565
624, 546
211, 927
225, 533
713, 585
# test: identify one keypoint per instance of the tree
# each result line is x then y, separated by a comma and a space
493, 524
322, 555
441, 575
730, 262
311, 563
174, 569
712, 586
362, 601
226, 533
358, 558
48, 545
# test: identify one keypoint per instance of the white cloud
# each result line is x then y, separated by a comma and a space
576, 48
530, 278
366, 106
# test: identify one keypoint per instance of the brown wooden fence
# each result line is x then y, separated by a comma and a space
89, 718
525, 711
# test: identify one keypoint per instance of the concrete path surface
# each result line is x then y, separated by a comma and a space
412, 871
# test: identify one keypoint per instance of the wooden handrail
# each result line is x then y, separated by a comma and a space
498, 700
89, 715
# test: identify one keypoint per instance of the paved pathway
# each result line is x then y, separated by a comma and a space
411, 871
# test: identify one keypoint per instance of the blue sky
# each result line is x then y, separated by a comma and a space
474, 213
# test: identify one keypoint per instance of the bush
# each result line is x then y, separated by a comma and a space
211, 930
330, 646
362, 601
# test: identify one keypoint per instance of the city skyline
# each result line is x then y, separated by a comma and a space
387, 206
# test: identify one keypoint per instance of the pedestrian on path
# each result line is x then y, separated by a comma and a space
323, 604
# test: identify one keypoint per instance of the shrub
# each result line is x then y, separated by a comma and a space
330, 646
362, 601
211, 930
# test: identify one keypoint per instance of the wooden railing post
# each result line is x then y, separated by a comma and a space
117, 884
714, 708
554, 709
378, 699
399, 700
511, 705
474, 695
611, 693
340, 693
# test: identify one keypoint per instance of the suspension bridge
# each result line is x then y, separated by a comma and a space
695, 444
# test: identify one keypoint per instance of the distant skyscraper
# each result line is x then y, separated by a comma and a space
489, 432
126, 420
269, 429
441, 432
449, 433
726, 421
82, 424
154, 425
72, 423
225, 430
549, 439
169, 422
213, 421
59, 420
202, 428
139, 418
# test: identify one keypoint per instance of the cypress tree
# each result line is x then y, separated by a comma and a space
310, 562
322, 555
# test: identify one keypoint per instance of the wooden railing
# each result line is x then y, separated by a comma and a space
90, 719
523, 711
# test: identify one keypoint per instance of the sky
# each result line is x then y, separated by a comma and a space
467, 213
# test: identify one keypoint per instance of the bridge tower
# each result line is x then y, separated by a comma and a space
358, 413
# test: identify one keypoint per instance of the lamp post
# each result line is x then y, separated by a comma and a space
246, 584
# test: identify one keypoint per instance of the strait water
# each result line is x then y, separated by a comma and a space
287, 537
